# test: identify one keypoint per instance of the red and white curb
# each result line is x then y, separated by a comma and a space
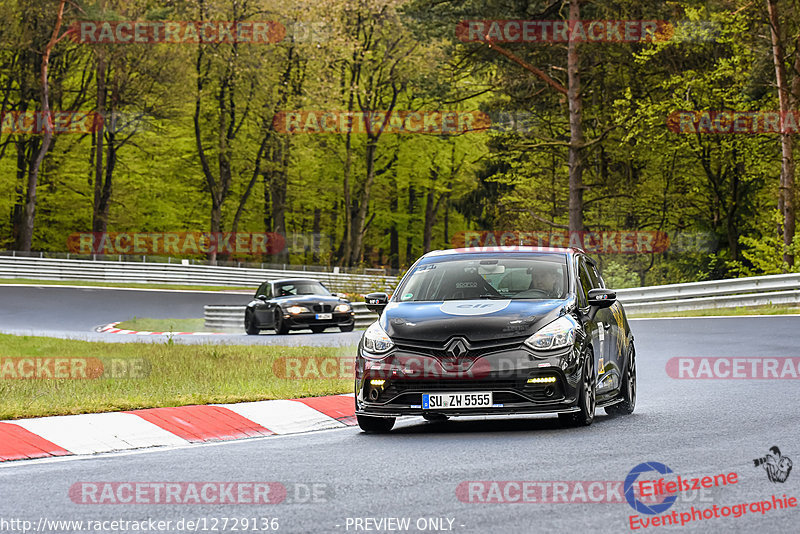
111, 328
66, 435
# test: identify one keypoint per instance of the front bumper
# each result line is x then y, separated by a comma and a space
407, 374
305, 320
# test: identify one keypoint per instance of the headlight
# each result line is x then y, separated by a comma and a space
342, 308
294, 310
376, 340
560, 333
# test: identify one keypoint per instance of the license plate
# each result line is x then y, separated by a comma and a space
449, 401
323, 316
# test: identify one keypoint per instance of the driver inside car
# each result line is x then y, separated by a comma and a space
547, 278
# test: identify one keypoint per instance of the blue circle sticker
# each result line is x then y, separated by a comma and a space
630, 482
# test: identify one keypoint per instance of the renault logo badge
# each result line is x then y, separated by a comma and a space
456, 348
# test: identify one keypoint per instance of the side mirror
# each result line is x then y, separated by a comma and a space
602, 298
376, 302
341, 296
261, 297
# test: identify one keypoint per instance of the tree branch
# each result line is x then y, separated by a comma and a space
527, 66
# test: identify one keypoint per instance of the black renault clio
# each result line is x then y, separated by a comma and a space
485, 331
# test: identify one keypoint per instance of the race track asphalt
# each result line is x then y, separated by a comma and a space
75, 313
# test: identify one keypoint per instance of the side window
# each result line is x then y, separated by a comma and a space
268, 290
584, 284
260, 290
594, 277
600, 277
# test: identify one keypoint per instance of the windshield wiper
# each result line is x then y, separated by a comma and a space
491, 296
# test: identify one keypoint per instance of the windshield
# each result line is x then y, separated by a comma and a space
543, 277
289, 289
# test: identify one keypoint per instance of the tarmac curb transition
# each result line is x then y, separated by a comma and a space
67, 435
111, 328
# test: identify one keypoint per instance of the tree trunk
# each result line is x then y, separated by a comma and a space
277, 188
430, 220
105, 194
267, 206
786, 194
447, 220
25, 237
412, 201
279, 151
576, 139
361, 214
394, 235
347, 238
25, 150
99, 224
733, 210
253, 179
316, 238
218, 187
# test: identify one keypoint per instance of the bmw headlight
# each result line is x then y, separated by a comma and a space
558, 334
294, 310
376, 340
342, 308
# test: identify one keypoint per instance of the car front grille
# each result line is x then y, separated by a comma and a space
406, 391
323, 308
396, 387
474, 349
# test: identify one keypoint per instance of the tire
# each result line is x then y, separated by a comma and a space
250, 324
587, 399
280, 325
435, 417
347, 328
317, 329
377, 425
628, 403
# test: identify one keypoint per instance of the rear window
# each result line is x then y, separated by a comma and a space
534, 277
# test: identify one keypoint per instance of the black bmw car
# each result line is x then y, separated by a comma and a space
484, 331
297, 303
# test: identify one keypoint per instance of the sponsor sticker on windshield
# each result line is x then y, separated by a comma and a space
473, 307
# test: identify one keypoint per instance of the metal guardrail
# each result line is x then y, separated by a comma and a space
706, 303
172, 273
230, 318
239, 264
781, 289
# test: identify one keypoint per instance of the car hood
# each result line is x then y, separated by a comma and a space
308, 299
477, 320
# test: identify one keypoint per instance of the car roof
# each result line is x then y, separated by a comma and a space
503, 250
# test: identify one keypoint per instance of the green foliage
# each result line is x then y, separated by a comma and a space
765, 254
618, 276
638, 176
